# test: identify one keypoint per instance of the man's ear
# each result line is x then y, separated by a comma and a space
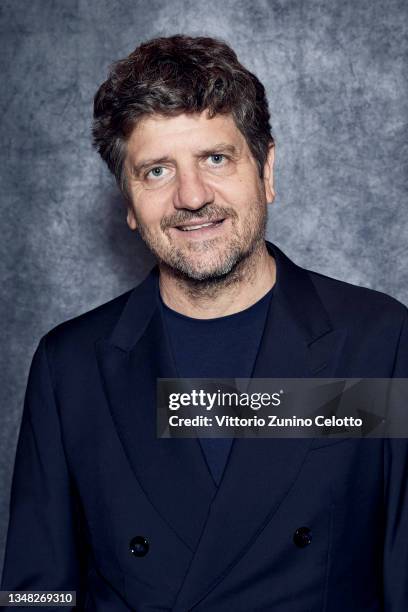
131, 219
268, 174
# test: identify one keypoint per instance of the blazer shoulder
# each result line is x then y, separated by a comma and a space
346, 302
84, 329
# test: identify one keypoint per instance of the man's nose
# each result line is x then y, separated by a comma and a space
192, 191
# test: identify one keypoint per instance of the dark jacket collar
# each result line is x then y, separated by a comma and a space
293, 289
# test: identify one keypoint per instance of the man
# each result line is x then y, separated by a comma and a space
130, 521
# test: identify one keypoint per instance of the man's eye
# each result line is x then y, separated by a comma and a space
157, 172
217, 159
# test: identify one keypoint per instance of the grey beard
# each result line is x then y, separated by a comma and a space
229, 269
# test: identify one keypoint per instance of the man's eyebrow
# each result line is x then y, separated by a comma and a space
221, 147
146, 163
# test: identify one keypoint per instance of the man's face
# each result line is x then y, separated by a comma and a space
187, 171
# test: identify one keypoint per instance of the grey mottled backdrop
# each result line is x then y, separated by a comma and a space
336, 75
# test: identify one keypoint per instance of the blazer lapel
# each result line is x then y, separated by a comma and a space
173, 473
298, 341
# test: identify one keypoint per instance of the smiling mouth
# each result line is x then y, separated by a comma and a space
199, 226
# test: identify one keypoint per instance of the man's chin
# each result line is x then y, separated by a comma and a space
201, 273
208, 268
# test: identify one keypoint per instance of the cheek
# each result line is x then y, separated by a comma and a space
241, 189
240, 194
148, 210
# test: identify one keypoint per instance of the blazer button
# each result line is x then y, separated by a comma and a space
302, 537
139, 546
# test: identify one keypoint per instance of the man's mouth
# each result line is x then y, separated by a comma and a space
195, 225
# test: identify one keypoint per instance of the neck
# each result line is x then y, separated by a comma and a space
247, 283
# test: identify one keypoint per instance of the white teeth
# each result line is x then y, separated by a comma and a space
193, 227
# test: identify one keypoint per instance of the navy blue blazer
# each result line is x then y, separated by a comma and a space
90, 475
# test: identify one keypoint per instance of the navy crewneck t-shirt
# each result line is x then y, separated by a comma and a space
223, 347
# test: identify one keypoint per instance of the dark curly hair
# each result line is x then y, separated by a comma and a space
174, 75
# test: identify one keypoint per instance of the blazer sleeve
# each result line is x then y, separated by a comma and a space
44, 548
395, 560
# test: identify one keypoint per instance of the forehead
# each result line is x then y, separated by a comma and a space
186, 131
